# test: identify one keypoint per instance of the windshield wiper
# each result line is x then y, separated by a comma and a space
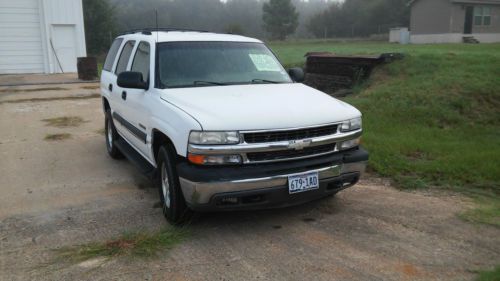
208, 83
264, 81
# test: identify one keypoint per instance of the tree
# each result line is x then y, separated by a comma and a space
280, 18
234, 28
100, 26
357, 18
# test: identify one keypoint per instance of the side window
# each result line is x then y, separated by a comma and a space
110, 58
124, 57
141, 60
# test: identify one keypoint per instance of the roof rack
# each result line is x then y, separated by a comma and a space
148, 30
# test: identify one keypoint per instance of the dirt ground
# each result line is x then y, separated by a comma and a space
38, 79
69, 192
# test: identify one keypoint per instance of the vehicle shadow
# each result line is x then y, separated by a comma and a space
276, 218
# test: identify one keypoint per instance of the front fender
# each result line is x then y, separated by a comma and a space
175, 124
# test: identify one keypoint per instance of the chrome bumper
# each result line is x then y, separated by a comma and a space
198, 193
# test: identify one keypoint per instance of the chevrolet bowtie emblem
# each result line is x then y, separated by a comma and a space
299, 144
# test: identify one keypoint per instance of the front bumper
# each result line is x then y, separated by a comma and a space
266, 186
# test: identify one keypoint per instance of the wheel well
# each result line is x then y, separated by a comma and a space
105, 104
160, 139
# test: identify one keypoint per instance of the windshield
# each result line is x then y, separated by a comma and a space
198, 64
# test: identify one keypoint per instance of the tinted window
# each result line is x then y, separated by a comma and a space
200, 64
110, 58
141, 60
124, 57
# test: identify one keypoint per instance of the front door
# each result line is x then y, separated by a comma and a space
134, 109
469, 13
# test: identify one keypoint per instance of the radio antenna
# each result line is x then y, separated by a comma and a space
156, 16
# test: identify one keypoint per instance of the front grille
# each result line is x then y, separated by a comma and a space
290, 154
299, 134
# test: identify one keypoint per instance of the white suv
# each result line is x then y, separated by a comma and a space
219, 124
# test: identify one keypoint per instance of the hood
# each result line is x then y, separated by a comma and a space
259, 106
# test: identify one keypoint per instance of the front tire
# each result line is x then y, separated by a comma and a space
111, 136
174, 206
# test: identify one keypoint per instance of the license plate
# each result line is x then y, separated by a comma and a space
303, 182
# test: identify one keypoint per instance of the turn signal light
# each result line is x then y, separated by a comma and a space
196, 159
214, 159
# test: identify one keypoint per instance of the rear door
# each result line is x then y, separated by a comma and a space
108, 77
118, 94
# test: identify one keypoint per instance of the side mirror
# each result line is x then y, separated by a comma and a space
132, 80
297, 74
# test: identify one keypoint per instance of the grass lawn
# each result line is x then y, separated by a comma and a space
140, 244
430, 120
493, 275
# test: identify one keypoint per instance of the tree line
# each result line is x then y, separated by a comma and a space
359, 18
265, 19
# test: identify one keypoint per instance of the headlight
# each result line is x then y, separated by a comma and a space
351, 125
349, 144
214, 159
206, 137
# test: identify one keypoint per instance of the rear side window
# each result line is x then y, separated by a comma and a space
141, 60
124, 57
110, 58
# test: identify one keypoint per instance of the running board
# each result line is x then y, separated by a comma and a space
142, 164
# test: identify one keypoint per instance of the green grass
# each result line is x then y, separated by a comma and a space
65, 121
100, 65
493, 275
57, 137
292, 53
140, 244
91, 96
431, 119
487, 210
32, 90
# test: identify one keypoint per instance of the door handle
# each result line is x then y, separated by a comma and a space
124, 95
110, 87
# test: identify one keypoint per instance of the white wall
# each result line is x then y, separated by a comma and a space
21, 48
57, 15
27, 28
399, 35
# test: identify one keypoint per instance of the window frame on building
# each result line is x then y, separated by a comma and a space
482, 16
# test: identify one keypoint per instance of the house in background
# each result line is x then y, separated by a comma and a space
454, 21
41, 36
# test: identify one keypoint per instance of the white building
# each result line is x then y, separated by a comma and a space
41, 36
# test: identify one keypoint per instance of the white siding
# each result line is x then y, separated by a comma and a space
21, 48
29, 35
63, 14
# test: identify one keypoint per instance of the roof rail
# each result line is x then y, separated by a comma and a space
148, 30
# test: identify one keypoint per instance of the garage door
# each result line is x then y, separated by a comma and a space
20, 37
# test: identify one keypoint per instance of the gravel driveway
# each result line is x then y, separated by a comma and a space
69, 192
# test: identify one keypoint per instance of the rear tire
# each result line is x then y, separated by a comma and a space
174, 205
111, 136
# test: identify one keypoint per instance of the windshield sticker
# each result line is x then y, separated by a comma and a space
264, 62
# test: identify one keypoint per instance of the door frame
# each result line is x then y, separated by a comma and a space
56, 60
469, 19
